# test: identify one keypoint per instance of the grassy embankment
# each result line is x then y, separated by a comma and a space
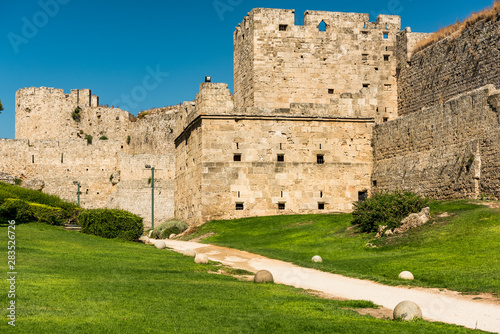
459, 252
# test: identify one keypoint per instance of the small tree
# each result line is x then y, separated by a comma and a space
1, 106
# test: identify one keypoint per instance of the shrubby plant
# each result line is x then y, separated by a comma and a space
386, 209
111, 224
164, 230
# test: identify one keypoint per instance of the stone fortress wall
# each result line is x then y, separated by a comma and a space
445, 144
453, 66
312, 126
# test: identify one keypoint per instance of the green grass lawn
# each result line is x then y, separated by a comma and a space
460, 252
69, 282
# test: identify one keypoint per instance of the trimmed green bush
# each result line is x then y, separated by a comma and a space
386, 209
34, 196
25, 212
164, 230
47, 214
16, 209
111, 224
4, 195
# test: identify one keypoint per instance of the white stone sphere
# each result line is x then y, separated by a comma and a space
173, 235
263, 276
407, 311
406, 275
201, 259
317, 258
160, 244
189, 252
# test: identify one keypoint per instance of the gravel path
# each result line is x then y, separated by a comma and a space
443, 306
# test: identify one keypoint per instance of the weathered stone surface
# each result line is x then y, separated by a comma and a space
406, 275
407, 311
201, 259
189, 252
160, 244
7, 178
115, 178
34, 184
317, 258
414, 220
172, 236
453, 66
263, 276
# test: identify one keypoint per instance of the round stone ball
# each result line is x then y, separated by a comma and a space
160, 244
406, 275
201, 259
173, 235
317, 258
189, 252
407, 311
263, 276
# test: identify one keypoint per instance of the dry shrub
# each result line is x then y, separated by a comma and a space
488, 14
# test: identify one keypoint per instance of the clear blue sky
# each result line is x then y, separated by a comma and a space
111, 46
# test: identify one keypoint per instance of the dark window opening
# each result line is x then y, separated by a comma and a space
320, 159
320, 146
364, 56
122, 147
281, 206
237, 145
97, 193
386, 119
62, 158
376, 68
239, 194
282, 194
386, 57
237, 157
87, 192
281, 157
281, 146
362, 196
322, 26
374, 183
321, 194
239, 206
32, 159
283, 27
366, 85
321, 206
331, 91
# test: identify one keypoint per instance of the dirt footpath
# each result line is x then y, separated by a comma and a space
436, 305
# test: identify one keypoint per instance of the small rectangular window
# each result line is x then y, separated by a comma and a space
386, 57
320, 159
386, 119
387, 87
239, 206
374, 183
281, 206
321, 206
32, 159
321, 194
386, 35
281, 157
331, 91
362, 196
283, 27
366, 85
237, 157
364, 56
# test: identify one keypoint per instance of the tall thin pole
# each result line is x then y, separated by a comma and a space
153, 198
78, 193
